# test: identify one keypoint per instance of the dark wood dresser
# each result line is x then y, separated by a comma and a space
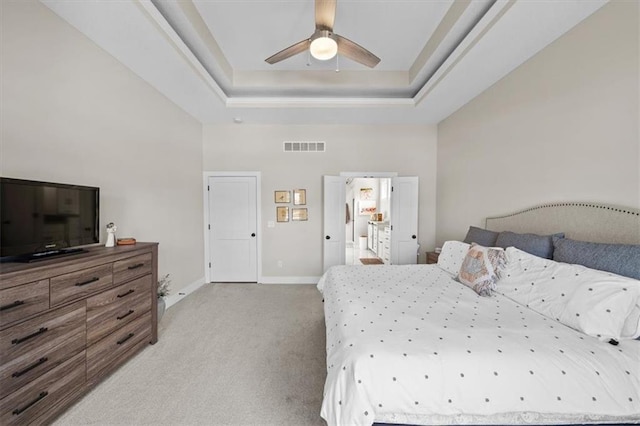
66, 323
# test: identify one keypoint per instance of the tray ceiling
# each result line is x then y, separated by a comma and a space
208, 56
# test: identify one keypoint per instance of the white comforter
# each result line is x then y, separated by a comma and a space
408, 344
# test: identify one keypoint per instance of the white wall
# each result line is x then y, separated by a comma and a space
563, 126
71, 113
408, 150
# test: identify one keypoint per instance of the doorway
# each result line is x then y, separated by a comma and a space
402, 229
367, 229
231, 228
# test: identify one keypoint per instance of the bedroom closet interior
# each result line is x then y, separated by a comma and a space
367, 222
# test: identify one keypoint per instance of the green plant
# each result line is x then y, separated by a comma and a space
163, 286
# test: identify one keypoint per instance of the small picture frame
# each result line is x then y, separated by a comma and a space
282, 214
299, 197
367, 207
299, 214
282, 196
366, 193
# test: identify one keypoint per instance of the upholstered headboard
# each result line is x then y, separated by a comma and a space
595, 222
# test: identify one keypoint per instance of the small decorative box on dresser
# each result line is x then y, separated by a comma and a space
67, 323
432, 257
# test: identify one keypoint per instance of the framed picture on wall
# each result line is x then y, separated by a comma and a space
299, 214
366, 193
282, 214
282, 196
367, 208
299, 197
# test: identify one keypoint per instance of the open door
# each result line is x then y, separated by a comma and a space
404, 220
334, 221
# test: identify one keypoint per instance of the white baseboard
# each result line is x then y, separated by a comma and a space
175, 298
289, 280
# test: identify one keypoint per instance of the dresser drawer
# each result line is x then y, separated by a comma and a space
115, 348
114, 308
22, 301
23, 370
133, 267
80, 284
33, 400
43, 332
36, 346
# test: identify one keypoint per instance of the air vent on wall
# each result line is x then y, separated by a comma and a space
299, 146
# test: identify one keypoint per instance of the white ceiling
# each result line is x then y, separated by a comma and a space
207, 56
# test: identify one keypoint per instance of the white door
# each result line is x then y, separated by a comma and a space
334, 221
233, 226
404, 220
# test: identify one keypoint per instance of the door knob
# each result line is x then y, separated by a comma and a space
414, 237
253, 234
327, 237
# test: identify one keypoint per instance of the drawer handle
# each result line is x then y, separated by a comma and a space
129, 336
32, 335
136, 266
12, 305
89, 281
18, 411
125, 294
126, 315
31, 367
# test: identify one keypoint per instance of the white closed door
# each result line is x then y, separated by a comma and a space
232, 229
404, 220
334, 220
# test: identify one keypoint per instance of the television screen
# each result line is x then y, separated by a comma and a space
43, 217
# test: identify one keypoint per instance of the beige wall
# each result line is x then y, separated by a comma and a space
563, 126
408, 150
71, 113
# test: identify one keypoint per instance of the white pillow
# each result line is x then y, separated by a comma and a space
631, 329
452, 255
595, 302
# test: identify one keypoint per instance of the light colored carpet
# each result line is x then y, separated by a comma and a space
229, 354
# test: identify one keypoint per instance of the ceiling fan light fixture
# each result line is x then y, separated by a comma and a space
324, 44
323, 47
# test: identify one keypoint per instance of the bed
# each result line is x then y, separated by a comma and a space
409, 344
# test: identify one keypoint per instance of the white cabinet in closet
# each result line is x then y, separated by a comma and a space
384, 244
375, 236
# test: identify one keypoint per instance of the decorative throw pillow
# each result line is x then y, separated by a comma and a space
538, 245
481, 268
480, 236
452, 255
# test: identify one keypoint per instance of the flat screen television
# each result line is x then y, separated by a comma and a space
39, 220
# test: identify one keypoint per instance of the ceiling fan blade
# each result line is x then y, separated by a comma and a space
325, 14
356, 52
290, 51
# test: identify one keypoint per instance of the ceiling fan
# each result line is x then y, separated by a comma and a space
324, 44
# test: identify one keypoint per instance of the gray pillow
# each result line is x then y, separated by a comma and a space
481, 236
537, 245
621, 259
